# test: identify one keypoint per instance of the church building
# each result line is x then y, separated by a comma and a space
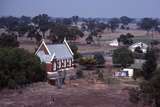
58, 57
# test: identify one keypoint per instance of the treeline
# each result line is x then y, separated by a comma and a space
37, 26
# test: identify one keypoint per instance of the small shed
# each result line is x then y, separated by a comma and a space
114, 43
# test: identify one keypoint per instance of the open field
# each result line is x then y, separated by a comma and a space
77, 94
140, 35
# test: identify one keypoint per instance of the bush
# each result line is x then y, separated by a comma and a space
126, 39
88, 62
137, 74
74, 49
100, 74
8, 40
18, 68
123, 56
100, 61
79, 74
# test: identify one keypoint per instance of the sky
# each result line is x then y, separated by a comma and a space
82, 8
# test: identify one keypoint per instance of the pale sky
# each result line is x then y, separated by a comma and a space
83, 8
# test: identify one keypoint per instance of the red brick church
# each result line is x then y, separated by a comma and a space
58, 57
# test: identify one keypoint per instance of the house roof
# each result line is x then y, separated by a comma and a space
139, 44
58, 51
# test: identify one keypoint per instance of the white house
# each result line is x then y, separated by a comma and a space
142, 46
114, 43
125, 72
58, 57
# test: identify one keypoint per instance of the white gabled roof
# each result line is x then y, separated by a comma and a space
139, 44
142, 45
59, 51
43, 43
114, 42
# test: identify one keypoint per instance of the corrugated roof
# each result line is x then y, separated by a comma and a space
61, 51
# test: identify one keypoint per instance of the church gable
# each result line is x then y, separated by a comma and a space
43, 48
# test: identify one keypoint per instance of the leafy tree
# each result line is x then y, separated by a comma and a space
149, 91
89, 39
148, 24
75, 19
91, 26
9, 22
75, 33
114, 24
59, 32
25, 20
18, 68
150, 65
42, 21
100, 61
125, 20
123, 56
74, 49
126, 39
22, 29
8, 40
67, 21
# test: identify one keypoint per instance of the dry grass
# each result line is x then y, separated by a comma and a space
77, 94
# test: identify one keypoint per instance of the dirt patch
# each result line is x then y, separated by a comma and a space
83, 94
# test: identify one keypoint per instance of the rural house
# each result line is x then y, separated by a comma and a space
141, 45
114, 43
58, 57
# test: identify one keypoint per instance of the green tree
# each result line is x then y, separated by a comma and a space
42, 21
10, 23
150, 65
100, 61
74, 49
125, 20
148, 24
8, 40
19, 67
114, 24
89, 39
149, 90
126, 39
123, 56
75, 19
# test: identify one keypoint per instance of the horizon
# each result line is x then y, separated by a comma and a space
81, 8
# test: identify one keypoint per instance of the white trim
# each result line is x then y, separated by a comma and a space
65, 42
43, 43
52, 57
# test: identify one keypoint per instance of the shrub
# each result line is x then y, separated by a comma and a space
74, 49
8, 40
100, 61
88, 62
123, 56
79, 74
100, 75
18, 68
